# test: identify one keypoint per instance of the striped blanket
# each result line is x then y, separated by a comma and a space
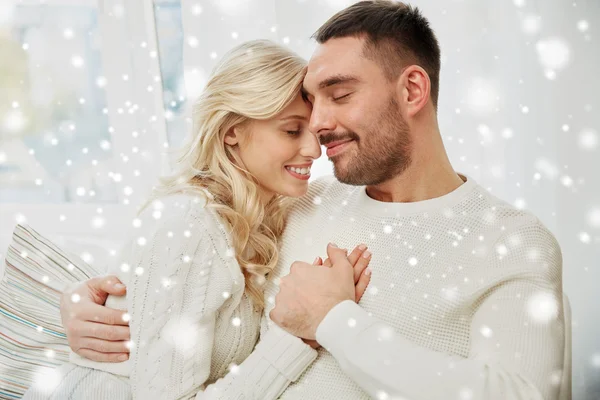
32, 339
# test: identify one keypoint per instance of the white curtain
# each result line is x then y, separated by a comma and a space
518, 111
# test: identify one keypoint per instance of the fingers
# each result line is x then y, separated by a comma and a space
109, 284
101, 286
318, 261
356, 253
327, 262
338, 256
102, 314
97, 330
360, 265
361, 285
102, 357
104, 346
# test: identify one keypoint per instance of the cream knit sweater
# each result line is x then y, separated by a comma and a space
190, 321
465, 302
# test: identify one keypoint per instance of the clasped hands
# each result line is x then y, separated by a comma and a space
310, 291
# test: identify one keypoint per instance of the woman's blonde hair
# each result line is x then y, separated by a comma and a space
253, 81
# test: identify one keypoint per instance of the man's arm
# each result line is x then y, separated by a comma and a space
384, 363
517, 341
93, 331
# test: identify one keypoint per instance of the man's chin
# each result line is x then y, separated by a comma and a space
344, 176
342, 171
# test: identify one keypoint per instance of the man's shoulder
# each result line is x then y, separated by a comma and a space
519, 233
500, 212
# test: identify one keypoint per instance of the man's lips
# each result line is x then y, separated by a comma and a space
337, 143
334, 148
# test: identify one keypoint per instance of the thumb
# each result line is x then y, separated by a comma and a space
337, 256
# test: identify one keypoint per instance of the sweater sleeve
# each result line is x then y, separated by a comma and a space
178, 282
278, 360
517, 339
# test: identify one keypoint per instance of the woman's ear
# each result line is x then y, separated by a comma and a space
232, 137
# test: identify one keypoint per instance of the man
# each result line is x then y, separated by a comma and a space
465, 298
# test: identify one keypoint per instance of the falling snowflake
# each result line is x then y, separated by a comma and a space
542, 307
553, 53
583, 25
531, 24
593, 217
465, 394
46, 380
585, 237
588, 140
182, 334
482, 96
486, 331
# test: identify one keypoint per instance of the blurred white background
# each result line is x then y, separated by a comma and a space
93, 92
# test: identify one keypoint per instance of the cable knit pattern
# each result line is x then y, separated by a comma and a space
465, 301
191, 321
191, 279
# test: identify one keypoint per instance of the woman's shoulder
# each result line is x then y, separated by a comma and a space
185, 225
179, 219
179, 207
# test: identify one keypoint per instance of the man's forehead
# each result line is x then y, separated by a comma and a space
333, 57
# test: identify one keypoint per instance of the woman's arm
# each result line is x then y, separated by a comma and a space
176, 285
278, 360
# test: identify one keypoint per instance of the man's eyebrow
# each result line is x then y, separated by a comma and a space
336, 80
332, 80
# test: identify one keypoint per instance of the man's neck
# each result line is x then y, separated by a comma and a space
428, 177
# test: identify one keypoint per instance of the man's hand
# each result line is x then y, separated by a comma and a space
94, 331
309, 292
360, 259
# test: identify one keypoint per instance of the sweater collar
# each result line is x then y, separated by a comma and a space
372, 206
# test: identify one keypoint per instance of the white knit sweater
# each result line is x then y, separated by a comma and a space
464, 302
191, 322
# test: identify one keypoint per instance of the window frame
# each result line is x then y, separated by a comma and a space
118, 59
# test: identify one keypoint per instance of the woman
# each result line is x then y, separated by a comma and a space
195, 283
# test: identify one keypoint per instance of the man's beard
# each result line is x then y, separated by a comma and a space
382, 153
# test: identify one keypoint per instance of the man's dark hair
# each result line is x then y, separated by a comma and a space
396, 34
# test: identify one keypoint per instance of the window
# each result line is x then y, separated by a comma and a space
82, 122
55, 140
169, 32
